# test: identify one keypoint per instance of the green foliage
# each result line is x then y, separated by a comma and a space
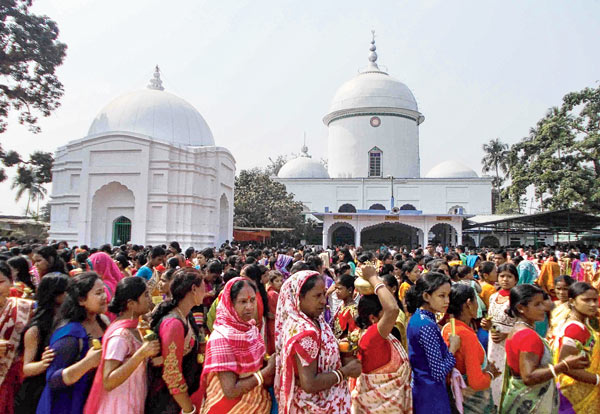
29, 56
561, 156
262, 202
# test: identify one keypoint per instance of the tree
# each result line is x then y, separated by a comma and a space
262, 202
272, 169
560, 158
496, 160
31, 176
29, 56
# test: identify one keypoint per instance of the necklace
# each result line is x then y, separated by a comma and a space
526, 324
182, 317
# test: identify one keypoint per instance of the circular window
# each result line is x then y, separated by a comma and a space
375, 121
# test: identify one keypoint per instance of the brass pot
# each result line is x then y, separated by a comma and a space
362, 285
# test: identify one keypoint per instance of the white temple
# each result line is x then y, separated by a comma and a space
372, 190
148, 172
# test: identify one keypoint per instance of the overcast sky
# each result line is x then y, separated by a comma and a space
264, 72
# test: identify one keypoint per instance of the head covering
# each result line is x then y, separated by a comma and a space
297, 335
471, 260
106, 267
282, 263
234, 345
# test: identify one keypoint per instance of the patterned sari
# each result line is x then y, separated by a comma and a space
298, 336
519, 398
387, 389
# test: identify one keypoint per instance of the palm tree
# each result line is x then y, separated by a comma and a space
495, 159
26, 182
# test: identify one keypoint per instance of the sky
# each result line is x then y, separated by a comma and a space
263, 73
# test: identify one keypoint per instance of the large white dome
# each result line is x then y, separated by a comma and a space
155, 113
303, 167
451, 169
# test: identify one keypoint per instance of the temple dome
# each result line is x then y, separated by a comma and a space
451, 169
156, 114
303, 167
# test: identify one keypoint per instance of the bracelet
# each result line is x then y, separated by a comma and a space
490, 374
567, 364
552, 370
379, 285
259, 378
341, 374
597, 379
190, 412
337, 375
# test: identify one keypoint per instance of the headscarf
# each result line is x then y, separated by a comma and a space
472, 260
295, 335
234, 345
108, 270
527, 272
282, 263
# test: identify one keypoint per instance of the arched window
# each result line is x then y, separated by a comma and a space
347, 208
121, 231
458, 210
377, 207
408, 207
375, 156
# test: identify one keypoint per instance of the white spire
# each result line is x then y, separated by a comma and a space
155, 82
373, 54
304, 149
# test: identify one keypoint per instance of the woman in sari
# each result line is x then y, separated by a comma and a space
175, 374
430, 358
120, 381
273, 288
68, 378
499, 323
471, 359
529, 386
562, 309
14, 316
343, 320
234, 374
384, 385
282, 265
579, 388
108, 270
400, 328
37, 355
310, 376
550, 271
410, 275
527, 271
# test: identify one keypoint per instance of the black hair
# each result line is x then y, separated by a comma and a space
427, 283
462, 271
50, 287
309, 284
123, 260
521, 295
274, 274
486, 267
459, 295
254, 272
238, 286
181, 285
230, 274
313, 262
392, 282
367, 305
176, 246
128, 288
298, 267
568, 280
408, 267
157, 252
79, 287
5, 270
347, 256
169, 274
207, 253
347, 281
106, 248
579, 288
501, 252
189, 252
509, 267
141, 259
386, 269
173, 262
22, 266
215, 266
55, 263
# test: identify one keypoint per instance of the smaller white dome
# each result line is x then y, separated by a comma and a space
451, 169
303, 167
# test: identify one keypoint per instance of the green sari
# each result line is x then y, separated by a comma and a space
518, 398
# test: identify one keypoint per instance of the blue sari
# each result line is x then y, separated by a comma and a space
70, 344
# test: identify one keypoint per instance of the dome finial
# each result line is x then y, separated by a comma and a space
373, 54
304, 149
155, 82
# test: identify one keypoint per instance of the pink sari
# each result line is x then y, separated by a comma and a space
297, 335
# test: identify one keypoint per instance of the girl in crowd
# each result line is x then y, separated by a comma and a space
530, 386
233, 377
37, 356
579, 389
14, 316
46, 261
273, 288
310, 376
68, 378
122, 262
20, 271
431, 359
562, 308
489, 277
410, 275
257, 274
499, 323
177, 372
400, 327
346, 257
164, 284
108, 271
471, 360
120, 381
343, 321
384, 385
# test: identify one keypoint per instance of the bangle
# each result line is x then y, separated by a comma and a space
190, 412
259, 378
341, 373
337, 375
567, 364
379, 285
552, 370
490, 374
597, 379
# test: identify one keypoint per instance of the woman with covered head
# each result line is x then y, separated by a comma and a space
283, 264
310, 376
235, 374
108, 270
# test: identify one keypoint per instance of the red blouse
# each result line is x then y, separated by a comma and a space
526, 340
374, 351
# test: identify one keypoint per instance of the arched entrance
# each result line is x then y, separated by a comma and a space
223, 219
394, 234
111, 202
468, 241
489, 241
443, 234
341, 234
121, 232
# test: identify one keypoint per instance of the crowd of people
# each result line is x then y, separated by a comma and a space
242, 329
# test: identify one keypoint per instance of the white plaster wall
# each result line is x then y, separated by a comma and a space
351, 139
